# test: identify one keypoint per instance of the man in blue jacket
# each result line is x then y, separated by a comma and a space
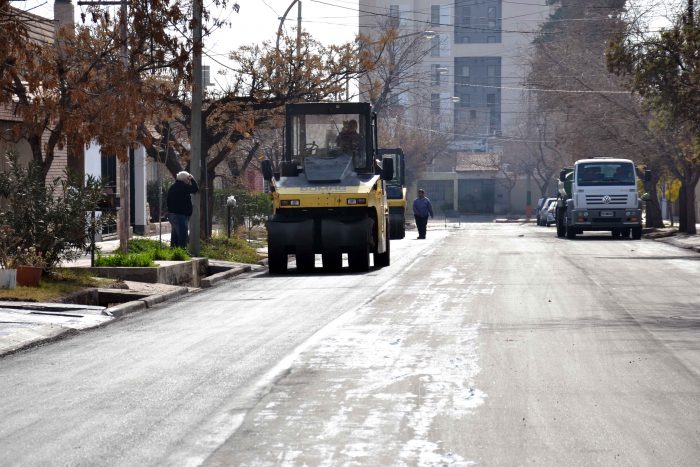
180, 208
421, 210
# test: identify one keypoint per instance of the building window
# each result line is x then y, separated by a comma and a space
435, 15
492, 12
435, 104
464, 72
435, 46
435, 75
465, 100
466, 18
472, 114
490, 100
492, 24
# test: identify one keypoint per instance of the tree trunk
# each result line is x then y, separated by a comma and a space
690, 210
682, 211
692, 179
686, 200
653, 207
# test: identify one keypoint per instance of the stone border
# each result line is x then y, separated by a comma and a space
124, 309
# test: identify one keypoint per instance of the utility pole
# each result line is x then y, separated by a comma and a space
299, 30
197, 164
124, 172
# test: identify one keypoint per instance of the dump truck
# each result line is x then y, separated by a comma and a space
599, 194
396, 193
329, 190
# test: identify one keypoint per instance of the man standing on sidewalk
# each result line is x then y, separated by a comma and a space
421, 210
180, 208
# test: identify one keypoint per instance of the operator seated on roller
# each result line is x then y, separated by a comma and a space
350, 141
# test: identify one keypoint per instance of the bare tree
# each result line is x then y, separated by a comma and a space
585, 110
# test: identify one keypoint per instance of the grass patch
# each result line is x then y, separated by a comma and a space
159, 251
142, 254
56, 286
131, 260
230, 249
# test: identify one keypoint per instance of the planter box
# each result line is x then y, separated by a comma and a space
8, 278
28, 276
167, 272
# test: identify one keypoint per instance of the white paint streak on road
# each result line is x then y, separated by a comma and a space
377, 386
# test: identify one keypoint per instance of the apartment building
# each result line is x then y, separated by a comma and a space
474, 81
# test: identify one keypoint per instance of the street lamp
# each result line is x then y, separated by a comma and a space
282, 18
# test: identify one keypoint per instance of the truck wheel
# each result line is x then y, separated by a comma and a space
383, 259
332, 261
276, 260
636, 233
358, 259
616, 233
305, 262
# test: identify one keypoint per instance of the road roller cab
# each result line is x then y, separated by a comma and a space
328, 192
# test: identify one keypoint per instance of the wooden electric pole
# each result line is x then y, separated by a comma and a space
197, 164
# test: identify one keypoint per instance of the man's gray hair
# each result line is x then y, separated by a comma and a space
183, 176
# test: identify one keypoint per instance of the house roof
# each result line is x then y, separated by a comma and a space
477, 162
39, 29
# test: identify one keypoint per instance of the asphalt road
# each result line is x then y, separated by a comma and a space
495, 344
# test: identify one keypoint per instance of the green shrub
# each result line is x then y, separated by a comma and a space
230, 249
51, 217
179, 254
142, 248
251, 208
141, 245
133, 260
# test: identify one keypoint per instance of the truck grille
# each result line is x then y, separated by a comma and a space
597, 200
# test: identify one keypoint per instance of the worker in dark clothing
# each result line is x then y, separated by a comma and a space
421, 210
180, 208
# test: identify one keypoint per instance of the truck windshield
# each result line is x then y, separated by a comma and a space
329, 136
605, 174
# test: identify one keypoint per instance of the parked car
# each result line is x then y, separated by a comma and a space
551, 213
537, 208
542, 213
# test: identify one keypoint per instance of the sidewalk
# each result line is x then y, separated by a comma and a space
27, 324
671, 236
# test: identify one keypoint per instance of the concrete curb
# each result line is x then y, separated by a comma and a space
124, 309
677, 242
214, 279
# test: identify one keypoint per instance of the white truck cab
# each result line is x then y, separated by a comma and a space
602, 196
